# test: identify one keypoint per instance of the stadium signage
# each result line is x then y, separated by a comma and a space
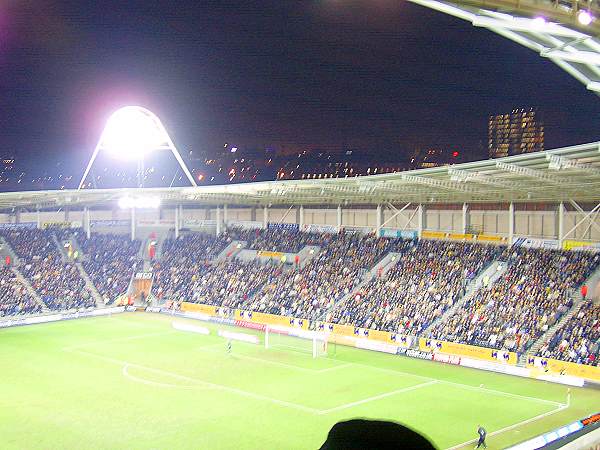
10, 226
73, 224
109, 223
329, 229
535, 243
581, 246
143, 275
246, 224
57, 317
283, 226
198, 223
395, 233
155, 223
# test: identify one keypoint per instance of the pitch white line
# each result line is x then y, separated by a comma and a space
128, 375
123, 339
207, 383
207, 348
511, 427
502, 393
464, 386
376, 397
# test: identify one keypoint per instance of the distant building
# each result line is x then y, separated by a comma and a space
521, 131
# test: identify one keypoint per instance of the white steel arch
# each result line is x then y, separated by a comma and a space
150, 124
549, 28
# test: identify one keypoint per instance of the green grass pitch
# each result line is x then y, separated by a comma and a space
132, 381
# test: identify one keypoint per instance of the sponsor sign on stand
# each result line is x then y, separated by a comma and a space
328, 229
283, 226
581, 246
10, 226
199, 223
109, 223
246, 224
155, 223
535, 243
395, 233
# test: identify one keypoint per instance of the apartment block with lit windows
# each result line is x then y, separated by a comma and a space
520, 131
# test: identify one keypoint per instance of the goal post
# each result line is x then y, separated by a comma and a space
296, 339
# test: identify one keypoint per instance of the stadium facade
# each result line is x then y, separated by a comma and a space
551, 196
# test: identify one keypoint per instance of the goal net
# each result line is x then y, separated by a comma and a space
296, 339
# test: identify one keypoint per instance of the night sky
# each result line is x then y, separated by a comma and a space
382, 75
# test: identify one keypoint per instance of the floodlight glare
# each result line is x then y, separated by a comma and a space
584, 17
139, 202
130, 133
538, 23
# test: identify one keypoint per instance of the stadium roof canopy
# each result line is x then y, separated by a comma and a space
570, 173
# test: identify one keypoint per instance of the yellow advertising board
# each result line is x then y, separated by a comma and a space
568, 368
580, 245
433, 235
468, 351
461, 236
209, 310
490, 238
267, 254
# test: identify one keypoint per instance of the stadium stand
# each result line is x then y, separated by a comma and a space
14, 298
428, 278
58, 283
109, 260
521, 305
579, 339
182, 260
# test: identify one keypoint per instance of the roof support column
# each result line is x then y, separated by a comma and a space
18, 215
67, 213
180, 216
253, 214
378, 220
177, 221
561, 224
466, 218
420, 220
38, 220
339, 218
132, 224
86, 221
225, 217
301, 217
218, 220
511, 223
265, 217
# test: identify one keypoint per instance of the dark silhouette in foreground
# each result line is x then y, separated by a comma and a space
373, 434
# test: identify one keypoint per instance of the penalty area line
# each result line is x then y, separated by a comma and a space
377, 397
131, 377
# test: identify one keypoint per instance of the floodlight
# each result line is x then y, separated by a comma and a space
584, 17
538, 23
139, 202
130, 134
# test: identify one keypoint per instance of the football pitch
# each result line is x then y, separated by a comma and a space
131, 381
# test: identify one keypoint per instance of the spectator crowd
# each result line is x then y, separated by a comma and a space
427, 278
57, 282
578, 340
109, 260
530, 296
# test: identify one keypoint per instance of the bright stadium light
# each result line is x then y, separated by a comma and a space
130, 134
584, 17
